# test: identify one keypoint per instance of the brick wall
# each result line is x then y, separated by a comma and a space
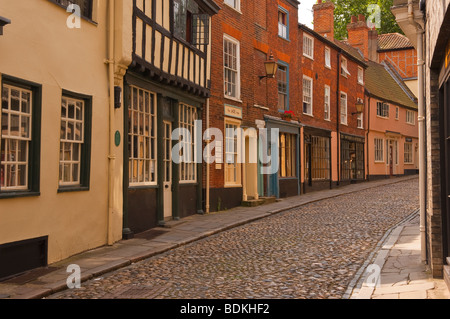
256, 29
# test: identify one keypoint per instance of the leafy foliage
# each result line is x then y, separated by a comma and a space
345, 9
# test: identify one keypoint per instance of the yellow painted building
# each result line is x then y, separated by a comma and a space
61, 185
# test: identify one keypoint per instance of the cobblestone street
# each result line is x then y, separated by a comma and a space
310, 252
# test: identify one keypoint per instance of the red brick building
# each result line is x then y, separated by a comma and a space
244, 35
333, 132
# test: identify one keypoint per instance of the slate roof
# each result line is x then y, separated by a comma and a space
393, 41
381, 84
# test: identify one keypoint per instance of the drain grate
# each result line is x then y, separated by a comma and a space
138, 292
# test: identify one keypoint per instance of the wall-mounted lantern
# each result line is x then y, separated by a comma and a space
3, 22
271, 68
359, 106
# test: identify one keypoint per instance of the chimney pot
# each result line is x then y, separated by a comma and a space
354, 19
362, 18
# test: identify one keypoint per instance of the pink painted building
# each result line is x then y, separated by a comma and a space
391, 124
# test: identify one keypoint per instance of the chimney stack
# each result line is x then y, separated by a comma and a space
324, 18
358, 34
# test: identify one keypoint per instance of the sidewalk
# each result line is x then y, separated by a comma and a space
402, 274
44, 282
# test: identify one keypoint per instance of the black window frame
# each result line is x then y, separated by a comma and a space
34, 156
88, 9
86, 148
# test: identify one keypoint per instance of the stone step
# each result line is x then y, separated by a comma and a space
447, 273
259, 202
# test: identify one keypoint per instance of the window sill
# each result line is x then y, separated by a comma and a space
18, 194
232, 186
346, 124
283, 38
383, 117
288, 178
328, 67
311, 115
72, 189
309, 57
234, 9
232, 98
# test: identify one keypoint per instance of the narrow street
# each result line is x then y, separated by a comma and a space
310, 252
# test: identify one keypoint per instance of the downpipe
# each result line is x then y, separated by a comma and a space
421, 122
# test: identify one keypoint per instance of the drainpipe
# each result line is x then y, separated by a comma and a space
368, 131
421, 122
338, 118
112, 155
207, 204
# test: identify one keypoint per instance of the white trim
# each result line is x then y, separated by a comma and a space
238, 5
329, 102
226, 37
346, 108
311, 95
310, 56
327, 49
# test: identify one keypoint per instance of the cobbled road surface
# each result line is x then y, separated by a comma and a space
310, 252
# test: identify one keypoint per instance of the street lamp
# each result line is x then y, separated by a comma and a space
359, 106
271, 68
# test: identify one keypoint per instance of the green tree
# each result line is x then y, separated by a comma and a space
345, 9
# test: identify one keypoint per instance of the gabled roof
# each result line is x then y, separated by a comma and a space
354, 52
381, 84
393, 41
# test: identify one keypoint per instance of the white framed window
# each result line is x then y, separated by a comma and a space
188, 168
142, 134
379, 150
283, 23
15, 136
397, 113
328, 57
235, 4
408, 156
360, 121
72, 140
344, 67
343, 108
327, 98
410, 117
283, 86
382, 109
231, 64
308, 46
307, 95
361, 75
232, 166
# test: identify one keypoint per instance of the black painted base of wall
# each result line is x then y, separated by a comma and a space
225, 198
19, 257
317, 186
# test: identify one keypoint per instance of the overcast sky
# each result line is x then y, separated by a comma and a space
305, 14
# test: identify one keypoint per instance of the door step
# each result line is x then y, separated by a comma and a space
259, 202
